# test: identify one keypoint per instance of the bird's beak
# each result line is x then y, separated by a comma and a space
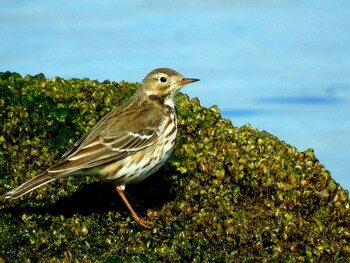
185, 81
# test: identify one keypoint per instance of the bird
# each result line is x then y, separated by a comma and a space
128, 144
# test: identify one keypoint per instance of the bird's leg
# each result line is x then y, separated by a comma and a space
140, 221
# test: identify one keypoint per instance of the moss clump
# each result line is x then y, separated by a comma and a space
227, 194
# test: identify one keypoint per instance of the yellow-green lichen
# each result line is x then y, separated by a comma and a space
227, 194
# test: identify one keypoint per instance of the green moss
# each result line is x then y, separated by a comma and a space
227, 194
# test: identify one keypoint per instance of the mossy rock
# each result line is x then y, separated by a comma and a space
227, 194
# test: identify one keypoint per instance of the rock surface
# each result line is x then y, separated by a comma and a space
227, 194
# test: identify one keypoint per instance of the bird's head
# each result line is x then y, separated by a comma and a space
164, 83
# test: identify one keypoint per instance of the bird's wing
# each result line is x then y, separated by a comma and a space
117, 135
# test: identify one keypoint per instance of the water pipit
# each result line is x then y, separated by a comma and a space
128, 144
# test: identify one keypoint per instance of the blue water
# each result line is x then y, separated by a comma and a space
282, 66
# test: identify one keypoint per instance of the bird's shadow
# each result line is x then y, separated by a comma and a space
97, 197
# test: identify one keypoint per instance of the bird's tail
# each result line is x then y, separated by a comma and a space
30, 185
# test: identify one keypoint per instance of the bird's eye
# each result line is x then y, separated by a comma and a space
163, 79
